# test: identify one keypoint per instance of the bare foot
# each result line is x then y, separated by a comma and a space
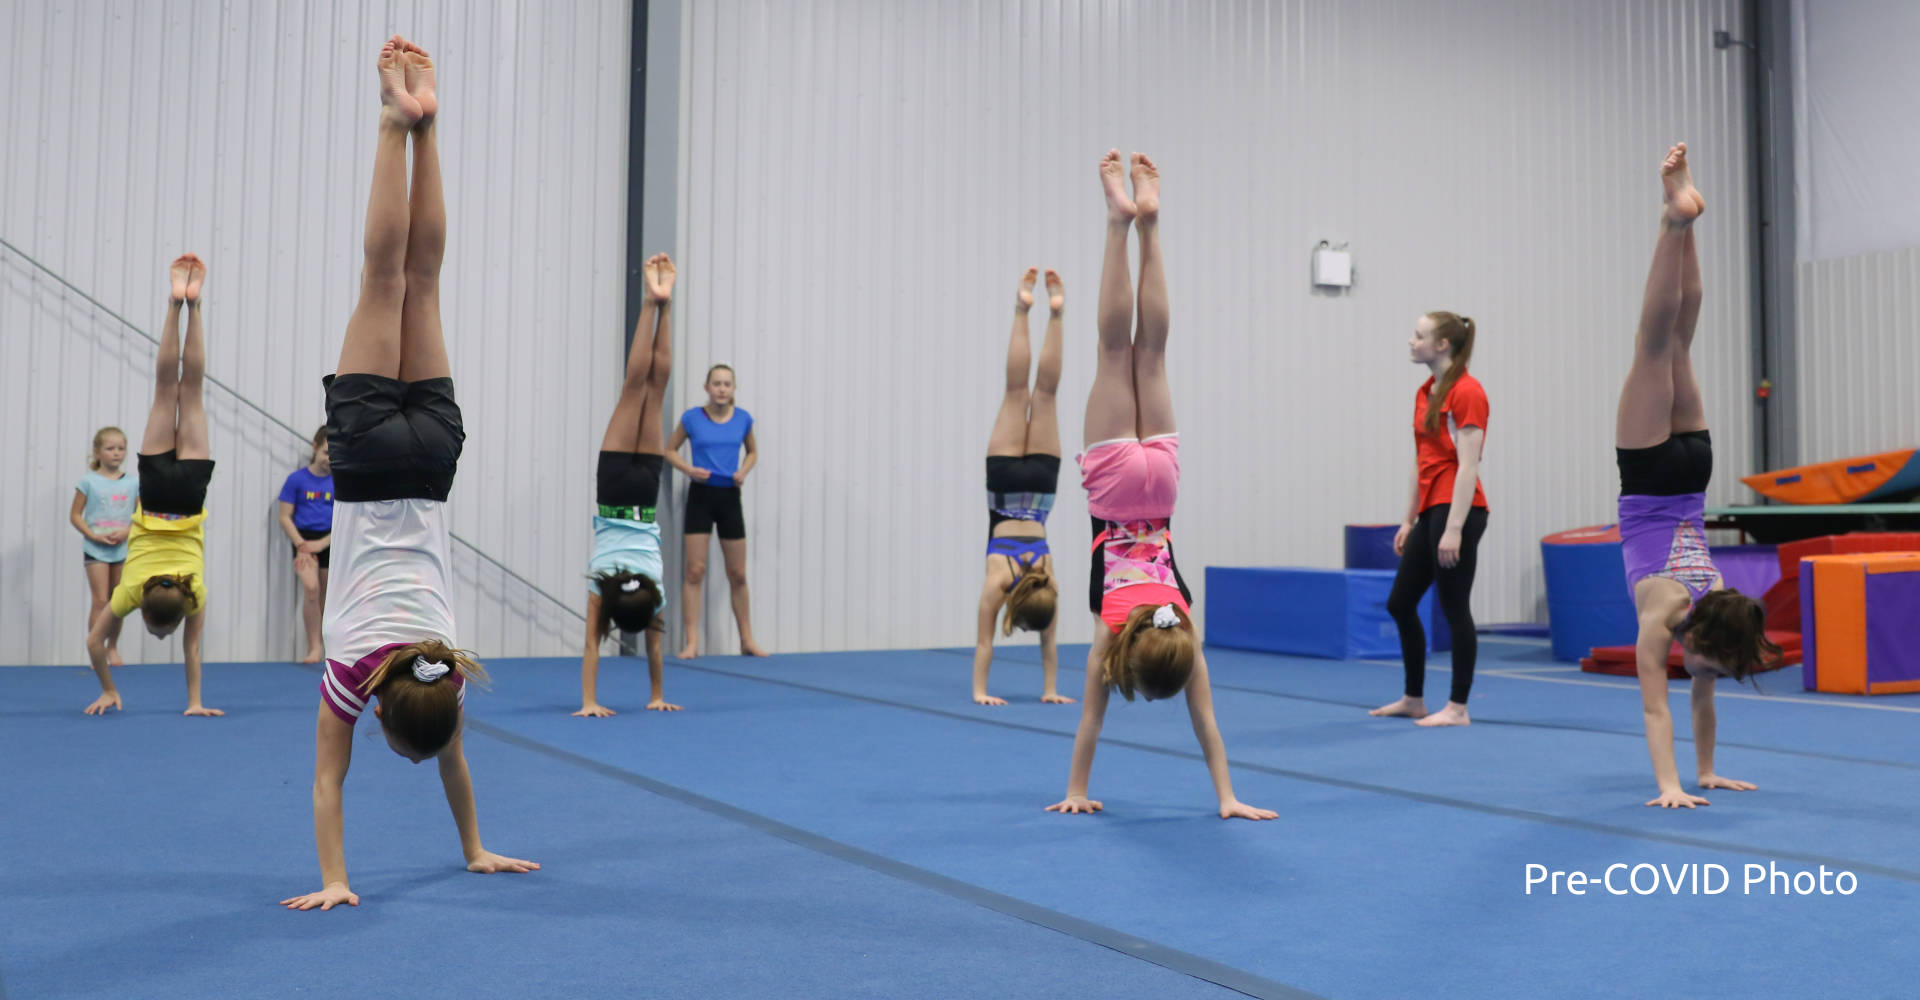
418, 68
113, 658
196, 273
688, 652
1455, 714
1023, 299
1412, 708
1055, 699
313, 656
1056, 291
1683, 201
750, 648
659, 274
397, 107
1120, 208
989, 700
1146, 189
177, 276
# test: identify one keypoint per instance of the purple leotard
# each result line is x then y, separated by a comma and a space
1667, 536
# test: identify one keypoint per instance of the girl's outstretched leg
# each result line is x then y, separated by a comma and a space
1043, 419
161, 419
372, 343
1150, 346
1010, 424
1110, 403
423, 351
1689, 407
1644, 418
623, 427
190, 431
659, 275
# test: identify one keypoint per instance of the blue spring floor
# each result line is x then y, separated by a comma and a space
851, 825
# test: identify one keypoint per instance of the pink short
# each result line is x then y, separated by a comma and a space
1129, 480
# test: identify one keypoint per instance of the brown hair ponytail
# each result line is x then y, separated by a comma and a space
630, 601
1154, 661
1730, 628
1458, 331
417, 714
1030, 604
165, 599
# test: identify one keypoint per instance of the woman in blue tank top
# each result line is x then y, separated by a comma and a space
1666, 458
1023, 472
718, 431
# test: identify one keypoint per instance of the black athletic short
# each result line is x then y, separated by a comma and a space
628, 483
715, 506
1006, 474
170, 484
1097, 577
325, 556
1679, 465
392, 440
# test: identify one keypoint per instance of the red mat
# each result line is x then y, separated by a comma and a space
1618, 660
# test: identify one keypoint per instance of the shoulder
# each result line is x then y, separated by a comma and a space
1467, 387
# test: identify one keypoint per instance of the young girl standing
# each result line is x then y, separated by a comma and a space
166, 540
103, 505
718, 431
396, 436
306, 518
1439, 542
1144, 639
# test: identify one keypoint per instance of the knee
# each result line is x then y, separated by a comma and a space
94, 609
696, 572
736, 576
1403, 607
1459, 613
383, 284
421, 280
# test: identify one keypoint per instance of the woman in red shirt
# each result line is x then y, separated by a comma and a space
1440, 538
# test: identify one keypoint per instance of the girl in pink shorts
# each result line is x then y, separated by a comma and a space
1145, 640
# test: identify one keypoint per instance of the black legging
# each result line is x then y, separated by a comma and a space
1419, 567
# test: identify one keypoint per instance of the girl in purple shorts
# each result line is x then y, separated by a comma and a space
1666, 458
1144, 638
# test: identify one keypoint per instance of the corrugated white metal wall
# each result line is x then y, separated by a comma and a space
1859, 330
244, 132
861, 182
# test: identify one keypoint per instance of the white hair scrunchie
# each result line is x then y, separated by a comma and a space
631, 585
428, 671
1166, 617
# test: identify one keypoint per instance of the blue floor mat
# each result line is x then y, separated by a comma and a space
852, 825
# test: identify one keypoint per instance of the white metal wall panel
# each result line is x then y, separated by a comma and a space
861, 182
244, 132
1859, 335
